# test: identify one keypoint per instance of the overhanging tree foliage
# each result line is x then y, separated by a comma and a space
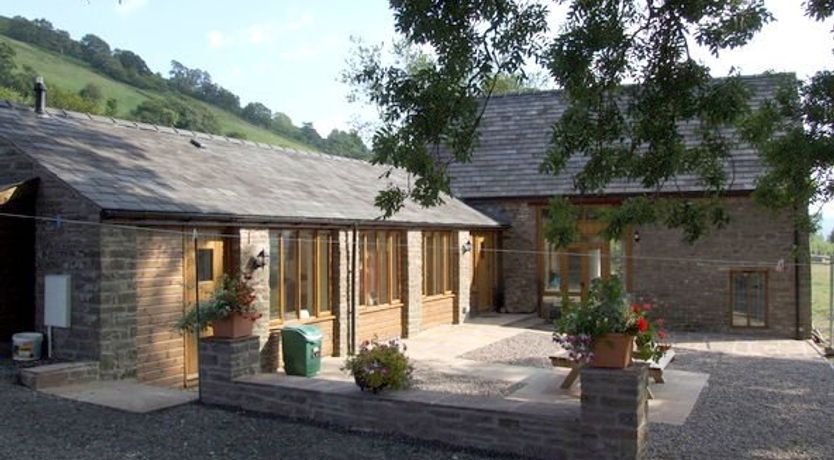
629, 79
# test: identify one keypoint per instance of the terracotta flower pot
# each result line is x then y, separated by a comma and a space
612, 351
233, 326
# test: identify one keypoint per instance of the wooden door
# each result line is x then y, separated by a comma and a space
203, 270
482, 288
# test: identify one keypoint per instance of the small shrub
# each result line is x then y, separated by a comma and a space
380, 365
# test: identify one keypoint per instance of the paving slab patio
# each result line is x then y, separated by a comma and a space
125, 395
442, 349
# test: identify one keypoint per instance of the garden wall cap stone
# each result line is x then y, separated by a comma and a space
128, 169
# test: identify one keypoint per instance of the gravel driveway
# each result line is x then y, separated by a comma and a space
765, 399
39, 426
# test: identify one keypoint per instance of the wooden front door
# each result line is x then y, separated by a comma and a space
203, 270
482, 289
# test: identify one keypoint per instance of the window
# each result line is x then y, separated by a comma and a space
437, 266
748, 297
379, 267
205, 264
299, 274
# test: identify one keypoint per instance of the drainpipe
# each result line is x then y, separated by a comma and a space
796, 279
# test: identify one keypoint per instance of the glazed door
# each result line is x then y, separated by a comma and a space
581, 263
203, 271
482, 289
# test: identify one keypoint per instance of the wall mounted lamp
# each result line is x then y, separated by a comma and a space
466, 247
637, 236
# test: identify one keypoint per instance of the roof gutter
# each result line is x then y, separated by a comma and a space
206, 220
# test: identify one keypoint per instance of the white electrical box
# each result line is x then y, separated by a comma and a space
57, 300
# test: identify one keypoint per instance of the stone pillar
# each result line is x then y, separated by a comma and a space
464, 270
413, 283
342, 276
614, 418
252, 242
224, 360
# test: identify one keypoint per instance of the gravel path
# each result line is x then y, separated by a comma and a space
39, 426
427, 379
529, 349
753, 407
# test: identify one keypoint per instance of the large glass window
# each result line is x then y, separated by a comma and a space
438, 269
748, 295
379, 267
299, 274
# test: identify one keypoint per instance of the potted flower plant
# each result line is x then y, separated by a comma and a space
601, 330
380, 365
231, 311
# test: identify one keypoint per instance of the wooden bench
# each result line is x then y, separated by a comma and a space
655, 368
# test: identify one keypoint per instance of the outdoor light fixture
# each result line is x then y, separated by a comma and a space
466, 247
260, 259
254, 263
637, 236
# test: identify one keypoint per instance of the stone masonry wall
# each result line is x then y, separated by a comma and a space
63, 248
413, 284
250, 243
691, 283
519, 267
611, 421
464, 275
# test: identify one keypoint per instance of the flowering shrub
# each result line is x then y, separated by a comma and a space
380, 365
649, 339
232, 295
605, 311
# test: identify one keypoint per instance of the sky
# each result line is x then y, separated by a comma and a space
289, 54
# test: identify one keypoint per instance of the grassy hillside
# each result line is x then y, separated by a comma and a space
71, 74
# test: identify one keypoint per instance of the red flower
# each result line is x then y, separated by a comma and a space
647, 306
642, 325
635, 307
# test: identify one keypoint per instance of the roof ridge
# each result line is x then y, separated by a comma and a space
540, 92
58, 113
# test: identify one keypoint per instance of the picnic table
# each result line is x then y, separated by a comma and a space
655, 368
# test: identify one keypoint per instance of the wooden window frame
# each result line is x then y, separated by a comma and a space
393, 258
445, 279
731, 297
295, 240
587, 228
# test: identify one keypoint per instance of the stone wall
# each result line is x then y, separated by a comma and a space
464, 276
413, 284
519, 267
63, 248
690, 288
691, 283
611, 421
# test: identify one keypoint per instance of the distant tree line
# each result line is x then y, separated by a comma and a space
170, 110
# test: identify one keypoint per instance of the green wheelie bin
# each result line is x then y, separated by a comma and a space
302, 350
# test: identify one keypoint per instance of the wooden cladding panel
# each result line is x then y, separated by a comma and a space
384, 323
438, 312
159, 292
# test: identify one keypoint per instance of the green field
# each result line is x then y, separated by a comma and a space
71, 74
820, 293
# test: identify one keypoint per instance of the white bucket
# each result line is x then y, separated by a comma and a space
27, 346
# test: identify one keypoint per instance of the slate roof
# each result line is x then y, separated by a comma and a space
515, 134
133, 167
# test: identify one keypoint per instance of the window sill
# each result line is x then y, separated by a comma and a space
448, 295
376, 308
278, 324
